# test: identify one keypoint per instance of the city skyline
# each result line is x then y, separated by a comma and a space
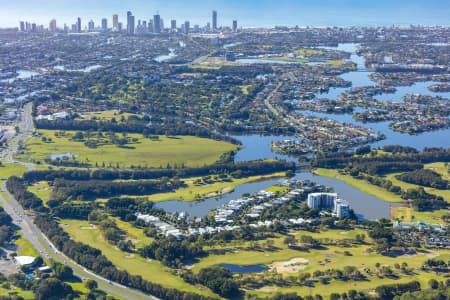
249, 14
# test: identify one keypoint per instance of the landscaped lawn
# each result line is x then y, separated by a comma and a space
42, 190
361, 185
151, 270
195, 192
181, 150
331, 257
405, 186
8, 170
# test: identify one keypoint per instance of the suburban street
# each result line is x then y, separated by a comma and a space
32, 233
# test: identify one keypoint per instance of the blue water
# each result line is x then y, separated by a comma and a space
203, 207
439, 138
244, 269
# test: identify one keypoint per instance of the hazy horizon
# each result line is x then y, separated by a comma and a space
262, 13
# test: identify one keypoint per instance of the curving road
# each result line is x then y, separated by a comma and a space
33, 234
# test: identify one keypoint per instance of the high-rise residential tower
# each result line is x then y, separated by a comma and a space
235, 26
52, 26
104, 24
91, 26
115, 22
157, 23
214, 20
79, 25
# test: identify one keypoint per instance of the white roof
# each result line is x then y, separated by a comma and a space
25, 260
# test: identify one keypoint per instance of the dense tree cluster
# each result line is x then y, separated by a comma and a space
66, 190
6, 227
93, 259
388, 292
241, 169
382, 164
170, 128
218, 279
171, 251
425, 177
28, 200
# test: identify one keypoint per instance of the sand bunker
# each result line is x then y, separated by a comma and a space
291, 266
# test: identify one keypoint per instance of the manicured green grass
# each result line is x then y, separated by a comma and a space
307, 52
8, 170
402, 213
195, 192
151, 270
277, 189
205, 67
106, 115
361, 185
287, 59
405, 186
42, 190
136, 235
331, 257
27, 295
325, 290
25, 248
440, 168
187, 150
431, 217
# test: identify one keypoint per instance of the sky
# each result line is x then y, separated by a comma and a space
249, 13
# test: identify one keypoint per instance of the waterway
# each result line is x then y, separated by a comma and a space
166, 57
21, 74
438, 138
244, 269
258, 147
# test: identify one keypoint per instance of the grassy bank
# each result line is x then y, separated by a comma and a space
181, 150
151, 270
329, 257
195, 191
361, 185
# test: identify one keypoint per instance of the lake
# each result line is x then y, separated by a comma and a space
244, 269
258, 147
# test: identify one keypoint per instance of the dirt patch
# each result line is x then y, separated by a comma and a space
291, 266
268, 289
130, 256
91, 227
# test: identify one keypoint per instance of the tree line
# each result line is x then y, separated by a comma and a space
93, 259
424, 177
238, 170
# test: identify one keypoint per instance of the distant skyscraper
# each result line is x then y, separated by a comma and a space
187, 27
129, 15
144, 27
79, 25
33, 27
91, 26
214, 20
22, 26
173, 25
151, 27
115, 19
131, 25
104, 24
235, 26
52, 26
120, 26
157, 23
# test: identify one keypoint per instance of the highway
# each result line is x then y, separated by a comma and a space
33, 234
